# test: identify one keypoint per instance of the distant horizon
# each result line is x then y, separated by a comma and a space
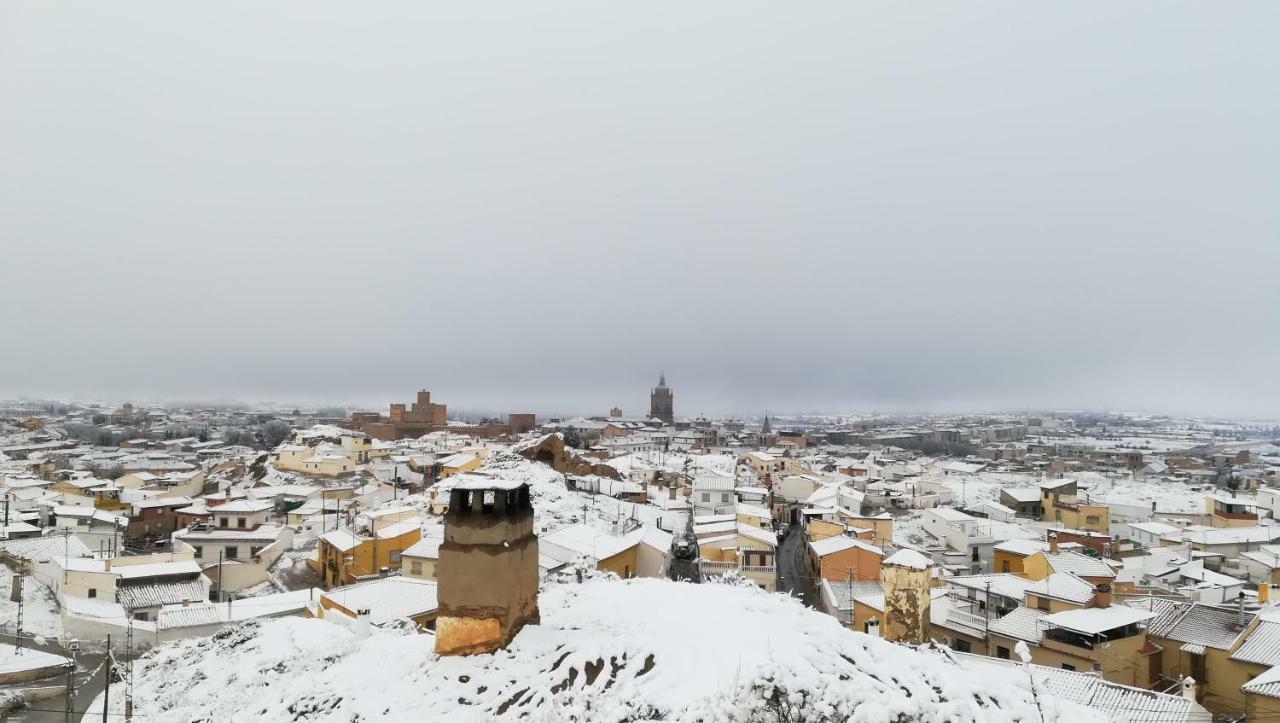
456, 411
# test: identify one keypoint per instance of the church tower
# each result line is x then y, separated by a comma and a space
661, 401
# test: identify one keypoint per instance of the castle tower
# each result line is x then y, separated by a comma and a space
661, 401
488, 567
906, 577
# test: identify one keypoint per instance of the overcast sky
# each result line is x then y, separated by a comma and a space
538, 206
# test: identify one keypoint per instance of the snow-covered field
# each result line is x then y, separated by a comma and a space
1168, 496
722, 464
605, 651
1171, 496
40, 613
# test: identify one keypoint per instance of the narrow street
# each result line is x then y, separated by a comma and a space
791, 568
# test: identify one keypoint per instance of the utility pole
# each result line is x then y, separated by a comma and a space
67, 709
986, 612
128, 671
850, 572
17, 633
106, 688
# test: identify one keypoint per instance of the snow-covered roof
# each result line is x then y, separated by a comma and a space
839, 543
1267, 684
1063, 586
1262, 646
159, 593
242, 507
1091, 621
1118, 702
157, 569
949, 514
1024, 548
1023, 494
1193, 623
1079, 564
1230, 535
49, 547
1005, 584
427, 547
585, 540
1021, 623
908, 558
387, 599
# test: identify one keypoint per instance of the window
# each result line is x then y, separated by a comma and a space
1004, 566
254, 550
961, 646
198, 550
706, 496
222, 522
415, 567
232, 552
239, 522
93, 592
975, 554
1002, 652
1068, 666
1093, 520
395, 557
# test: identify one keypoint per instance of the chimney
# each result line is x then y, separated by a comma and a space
1240, 611
1053, 543
1189, 688
1102, 596
873, 628
1264, 591
363, 624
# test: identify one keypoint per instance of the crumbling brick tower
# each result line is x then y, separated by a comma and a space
488, 568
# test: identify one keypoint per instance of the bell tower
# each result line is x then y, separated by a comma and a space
661, 401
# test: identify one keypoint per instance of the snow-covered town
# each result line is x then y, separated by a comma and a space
164, 562
426, 361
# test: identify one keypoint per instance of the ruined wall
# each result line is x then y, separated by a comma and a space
906, 603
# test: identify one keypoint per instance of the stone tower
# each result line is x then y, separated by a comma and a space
906, 577
661, 401
488, 567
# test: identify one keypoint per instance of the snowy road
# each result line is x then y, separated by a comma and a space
791, 568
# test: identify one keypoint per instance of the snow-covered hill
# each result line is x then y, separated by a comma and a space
607, 650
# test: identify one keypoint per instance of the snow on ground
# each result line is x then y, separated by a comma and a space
1168, 496
40, 613
721, 464
1171, 496
603, 652
1152, 444
29, 659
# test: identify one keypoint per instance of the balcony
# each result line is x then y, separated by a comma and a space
766, 576
967, 619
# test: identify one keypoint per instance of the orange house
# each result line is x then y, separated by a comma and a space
840, 558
